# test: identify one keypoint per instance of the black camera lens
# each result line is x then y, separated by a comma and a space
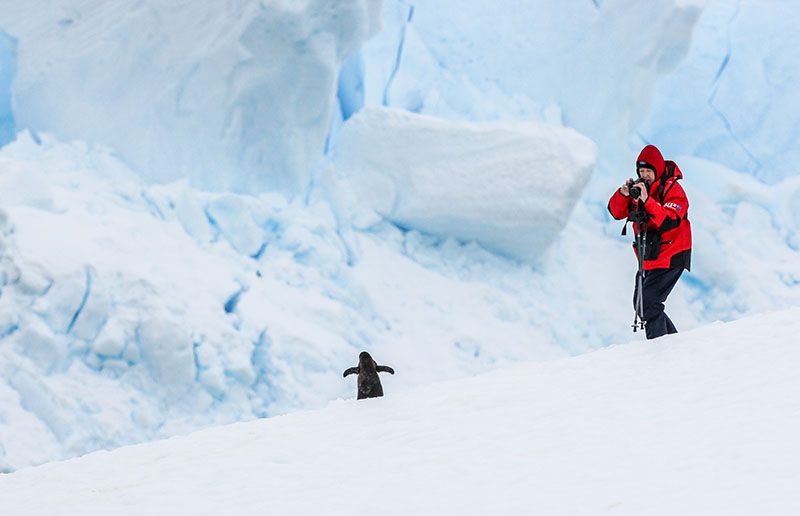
635, 190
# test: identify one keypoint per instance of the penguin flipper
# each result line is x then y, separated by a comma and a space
350, 370
385, 369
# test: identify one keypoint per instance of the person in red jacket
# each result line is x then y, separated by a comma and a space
663, 203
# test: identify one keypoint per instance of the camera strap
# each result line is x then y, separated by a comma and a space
638, 215
670, 172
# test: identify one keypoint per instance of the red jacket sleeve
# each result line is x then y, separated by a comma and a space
619, 205
670, 214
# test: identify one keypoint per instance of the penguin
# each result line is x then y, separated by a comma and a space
369, 384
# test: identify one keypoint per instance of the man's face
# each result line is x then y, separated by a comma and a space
648, 174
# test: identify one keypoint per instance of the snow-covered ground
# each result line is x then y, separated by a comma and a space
703, 422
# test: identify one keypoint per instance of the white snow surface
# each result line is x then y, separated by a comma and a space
703, 422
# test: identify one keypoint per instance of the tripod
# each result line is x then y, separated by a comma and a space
639, 217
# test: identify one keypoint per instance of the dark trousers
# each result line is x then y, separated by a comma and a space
656, 286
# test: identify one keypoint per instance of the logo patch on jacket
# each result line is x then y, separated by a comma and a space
674, 206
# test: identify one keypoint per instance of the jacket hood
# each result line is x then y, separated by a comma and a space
676, 172
651, 157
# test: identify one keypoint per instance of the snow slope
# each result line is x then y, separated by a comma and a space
704, 422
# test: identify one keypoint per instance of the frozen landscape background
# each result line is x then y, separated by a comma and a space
207, 211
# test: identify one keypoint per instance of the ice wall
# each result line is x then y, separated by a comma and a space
242, 97
734, 100
8, 66
591, 65
235, 96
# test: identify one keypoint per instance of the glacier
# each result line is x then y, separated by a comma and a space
8, 70
235, 98
546, 61
732, 101
206, 212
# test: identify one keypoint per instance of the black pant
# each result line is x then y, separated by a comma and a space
656, 286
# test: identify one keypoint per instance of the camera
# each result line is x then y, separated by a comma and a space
634, 190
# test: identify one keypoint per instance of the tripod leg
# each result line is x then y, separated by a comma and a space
640, 308
638, 303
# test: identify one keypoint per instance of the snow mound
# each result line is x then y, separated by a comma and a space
511, 186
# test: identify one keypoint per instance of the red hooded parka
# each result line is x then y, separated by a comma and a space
667, 211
